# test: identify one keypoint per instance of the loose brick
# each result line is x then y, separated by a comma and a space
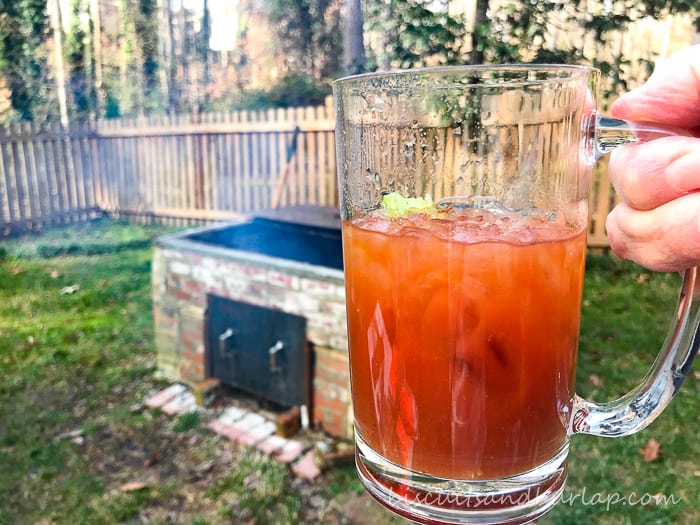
224, 429
271, 444
256, 434
205, 392
289, 422
232, 414
182, 403
289, 451
164, 396
306, 467
249, 421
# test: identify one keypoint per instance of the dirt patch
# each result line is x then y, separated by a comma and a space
198, 477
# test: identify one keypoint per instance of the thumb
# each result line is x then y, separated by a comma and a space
671, 96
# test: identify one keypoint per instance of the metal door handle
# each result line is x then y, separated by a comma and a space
223, 337
272, 351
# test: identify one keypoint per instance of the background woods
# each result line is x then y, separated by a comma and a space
176, 108
76, 59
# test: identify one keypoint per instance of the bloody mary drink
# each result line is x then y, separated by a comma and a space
463, 328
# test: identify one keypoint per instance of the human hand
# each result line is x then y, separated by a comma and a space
657, 223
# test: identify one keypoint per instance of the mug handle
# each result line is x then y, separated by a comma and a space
637, 409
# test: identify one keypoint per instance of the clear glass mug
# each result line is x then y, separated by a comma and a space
464, 199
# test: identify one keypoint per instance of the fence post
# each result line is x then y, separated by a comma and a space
198, 163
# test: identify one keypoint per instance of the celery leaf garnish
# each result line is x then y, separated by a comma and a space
396, 205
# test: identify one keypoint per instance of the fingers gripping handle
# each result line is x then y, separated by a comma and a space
637, 409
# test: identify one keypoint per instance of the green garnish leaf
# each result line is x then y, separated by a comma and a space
396, 205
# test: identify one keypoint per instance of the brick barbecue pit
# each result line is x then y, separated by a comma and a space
192, 270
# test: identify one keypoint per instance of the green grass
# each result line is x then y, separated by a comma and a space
73, 367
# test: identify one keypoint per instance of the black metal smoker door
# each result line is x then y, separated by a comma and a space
259, 350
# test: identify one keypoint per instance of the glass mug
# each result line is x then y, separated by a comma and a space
464, 199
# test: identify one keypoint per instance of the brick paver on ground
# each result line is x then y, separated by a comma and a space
243, 427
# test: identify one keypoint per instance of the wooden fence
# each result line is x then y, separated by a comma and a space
193, 168
47, 176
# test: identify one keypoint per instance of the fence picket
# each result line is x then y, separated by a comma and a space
6, 200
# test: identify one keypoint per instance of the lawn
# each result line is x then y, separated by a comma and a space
76, 446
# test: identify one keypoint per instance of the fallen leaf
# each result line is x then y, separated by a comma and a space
651, 450
595, 380
132, 486
54, 274
642, 278
696, 374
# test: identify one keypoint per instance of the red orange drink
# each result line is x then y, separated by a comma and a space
463, 327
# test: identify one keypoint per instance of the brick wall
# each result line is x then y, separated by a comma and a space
181, 281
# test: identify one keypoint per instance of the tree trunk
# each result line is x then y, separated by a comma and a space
183, 58
61, 74
481, 22
203, 51
125, 103
384, 38
173, 89
97, 55
353, 45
